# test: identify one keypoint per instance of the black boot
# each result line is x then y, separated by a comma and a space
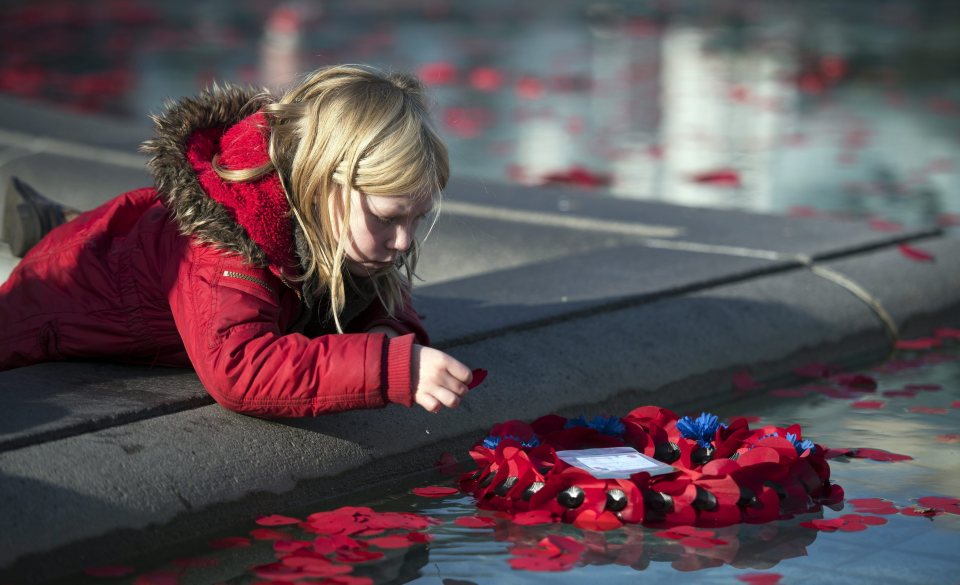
28, 216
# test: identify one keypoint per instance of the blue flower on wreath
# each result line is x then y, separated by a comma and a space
492, 441
703, 429
605, 425
799, 445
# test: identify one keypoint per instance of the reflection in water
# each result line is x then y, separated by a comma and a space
771, 106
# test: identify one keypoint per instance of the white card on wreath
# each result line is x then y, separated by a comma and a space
613, 462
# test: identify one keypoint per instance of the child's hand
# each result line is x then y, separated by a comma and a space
439, 380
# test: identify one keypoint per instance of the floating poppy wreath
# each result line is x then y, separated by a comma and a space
722, 474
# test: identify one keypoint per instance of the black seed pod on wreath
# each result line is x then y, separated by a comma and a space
781, 493
486, 481
503, 488
531, 489
705, 500
666, 452
747, 498
701, 455
616, 500
657, 501
571, 497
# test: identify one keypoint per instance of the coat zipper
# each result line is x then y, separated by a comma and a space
248, 278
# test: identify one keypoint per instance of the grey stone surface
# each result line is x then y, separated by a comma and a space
512, 298
911, 291
784, 234
51, 401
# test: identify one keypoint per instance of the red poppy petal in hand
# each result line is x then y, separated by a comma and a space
479, 375
435, 491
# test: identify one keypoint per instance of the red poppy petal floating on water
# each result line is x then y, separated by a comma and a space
285, 546
533, 518
868, 404
924, 387
920, 511
946, 333
479, 375
698, 542
196, 562
435, 491
392, 541
230, 542
859, 382
918, 344
476, 521
276, 520
816, 370
539, 564
158, 578
916, 254
872, 505
439, 73
866, 453
927, 410
357, 556
882, 225
268, 534
109, 571
486, 79
760, 578
945, 503
949, 438
719, 177
743, 381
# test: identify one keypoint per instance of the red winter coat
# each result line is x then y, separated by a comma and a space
195, 272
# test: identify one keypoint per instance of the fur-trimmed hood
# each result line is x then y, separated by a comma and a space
249, 218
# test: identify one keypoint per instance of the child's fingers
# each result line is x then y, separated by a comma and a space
428, 402
447, 397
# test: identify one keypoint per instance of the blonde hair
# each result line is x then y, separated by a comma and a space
343, 127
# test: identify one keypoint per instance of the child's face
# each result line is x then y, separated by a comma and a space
381, 228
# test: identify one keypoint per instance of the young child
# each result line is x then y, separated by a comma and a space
274, 255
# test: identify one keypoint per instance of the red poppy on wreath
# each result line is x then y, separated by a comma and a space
716, 474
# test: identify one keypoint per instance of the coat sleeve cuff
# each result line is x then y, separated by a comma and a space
399, 359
